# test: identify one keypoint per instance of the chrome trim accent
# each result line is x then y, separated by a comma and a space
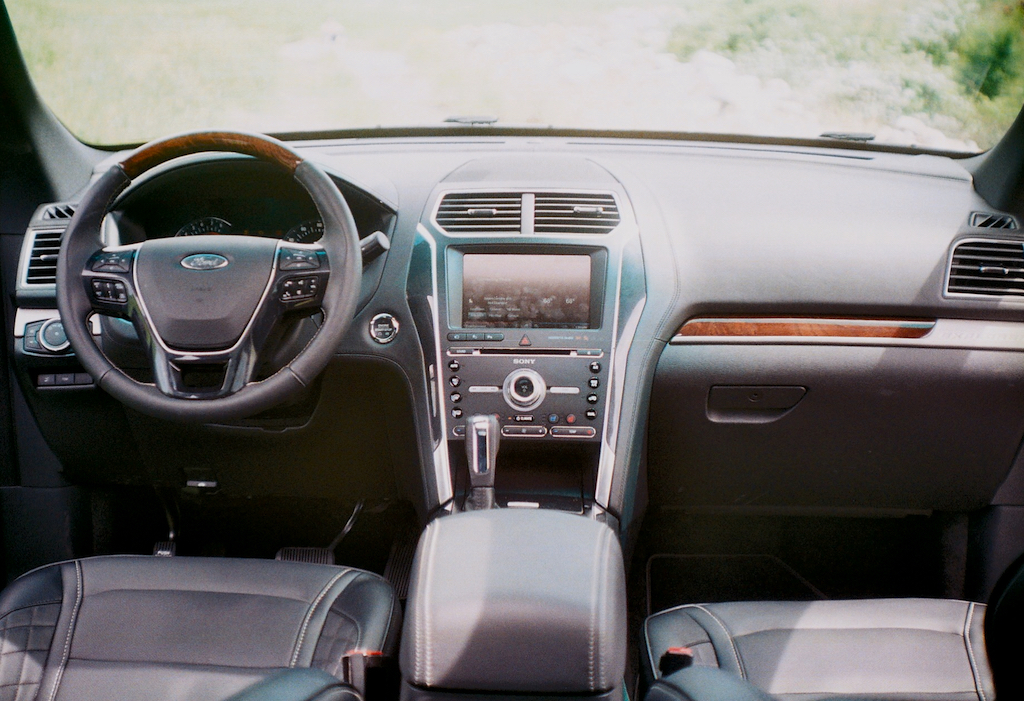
523, 192
483, 389
534, 399
613, 403
442, 468
23, 317
974, 295
42, 337
564, 390
954, 334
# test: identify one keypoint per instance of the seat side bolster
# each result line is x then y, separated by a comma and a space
298, 685
704, 684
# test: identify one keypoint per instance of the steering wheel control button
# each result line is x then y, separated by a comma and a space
384, 329
52, 336
300, 288
111, 262
110, 291
297, 259
595, 367
573, 432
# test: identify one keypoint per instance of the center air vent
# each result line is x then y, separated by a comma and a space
575, 213
481, 212
42, 265
987, 268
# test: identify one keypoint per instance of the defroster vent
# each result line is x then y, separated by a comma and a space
59, 211
481, 212
987, 268
575, 213
988, 220
42, 265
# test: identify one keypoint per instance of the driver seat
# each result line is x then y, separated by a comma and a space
178, 628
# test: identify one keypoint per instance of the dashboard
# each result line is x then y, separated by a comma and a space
692, 324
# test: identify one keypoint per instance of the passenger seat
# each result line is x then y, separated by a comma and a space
905, 649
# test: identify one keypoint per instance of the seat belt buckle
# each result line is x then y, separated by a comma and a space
675, 659
354, 667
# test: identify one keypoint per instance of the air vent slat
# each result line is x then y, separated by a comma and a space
42, 263
991, 220
987, 268
484, 212
59, 211
575, 213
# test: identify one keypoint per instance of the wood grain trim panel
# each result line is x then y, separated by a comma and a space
158, 152
806, 327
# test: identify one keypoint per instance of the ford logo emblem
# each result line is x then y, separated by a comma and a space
204, 261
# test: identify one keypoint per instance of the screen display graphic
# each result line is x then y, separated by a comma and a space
526, 291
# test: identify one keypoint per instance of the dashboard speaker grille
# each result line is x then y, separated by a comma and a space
575, 213
988, 220
481, 212
987, 268
42, 265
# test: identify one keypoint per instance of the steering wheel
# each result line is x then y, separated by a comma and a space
204, 306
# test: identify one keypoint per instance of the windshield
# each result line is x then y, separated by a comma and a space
939, 74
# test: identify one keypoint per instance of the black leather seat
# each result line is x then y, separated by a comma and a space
924, 649
141, 628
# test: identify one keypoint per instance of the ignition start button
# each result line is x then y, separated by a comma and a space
383, 328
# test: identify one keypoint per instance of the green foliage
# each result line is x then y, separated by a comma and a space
991, 50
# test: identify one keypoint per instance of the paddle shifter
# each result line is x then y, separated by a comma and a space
482, 435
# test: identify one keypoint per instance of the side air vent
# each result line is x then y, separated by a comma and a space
575, 213
42, 265
988, 220
987, 268
59, 211
481, 212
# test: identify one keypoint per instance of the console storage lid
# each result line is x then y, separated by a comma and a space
516, 602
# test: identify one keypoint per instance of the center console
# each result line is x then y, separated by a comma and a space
525, 340
535, 288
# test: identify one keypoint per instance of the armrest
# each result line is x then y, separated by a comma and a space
516, 601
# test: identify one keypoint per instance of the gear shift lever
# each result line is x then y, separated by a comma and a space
482, 436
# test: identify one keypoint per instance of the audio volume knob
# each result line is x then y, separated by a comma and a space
524, 389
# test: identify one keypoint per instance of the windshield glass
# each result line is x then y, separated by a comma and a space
940, 74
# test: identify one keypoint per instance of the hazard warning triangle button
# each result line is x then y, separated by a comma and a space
525, 341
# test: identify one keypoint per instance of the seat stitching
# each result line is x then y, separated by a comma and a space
970, 652
71, 630
309, 615
732, 644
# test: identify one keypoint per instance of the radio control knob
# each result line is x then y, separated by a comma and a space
524, 389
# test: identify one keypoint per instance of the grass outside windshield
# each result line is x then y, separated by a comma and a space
943, 74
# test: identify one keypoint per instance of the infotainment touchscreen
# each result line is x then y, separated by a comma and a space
526, 291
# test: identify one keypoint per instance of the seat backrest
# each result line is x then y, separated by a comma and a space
1004, 624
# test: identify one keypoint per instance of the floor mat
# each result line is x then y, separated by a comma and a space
685, 579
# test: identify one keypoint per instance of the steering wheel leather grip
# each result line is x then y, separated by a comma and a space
77, 296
